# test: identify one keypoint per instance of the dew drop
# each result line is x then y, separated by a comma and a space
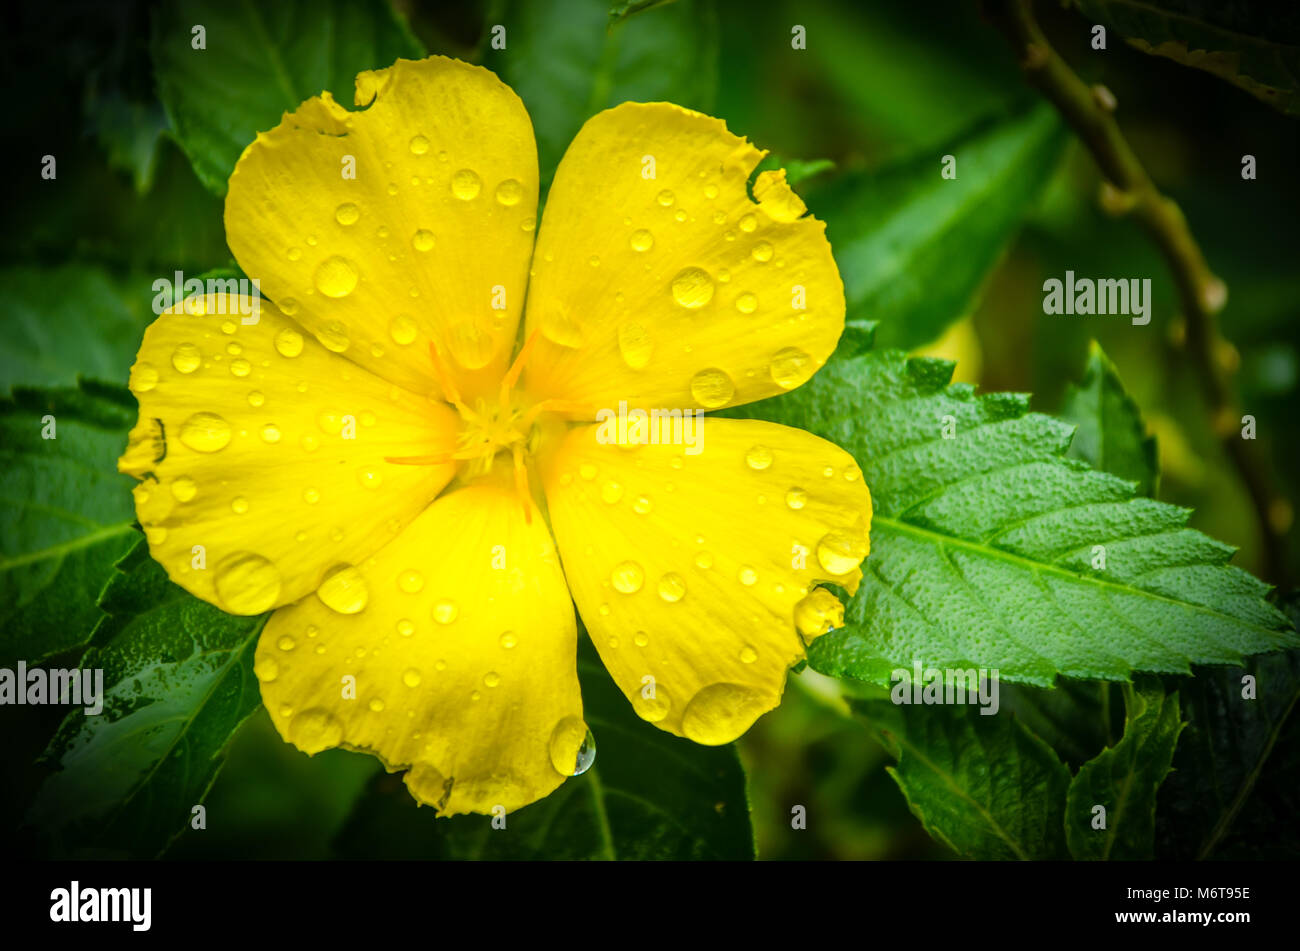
666, 198
239, 505
572, 747
315, 730
641, 640
721, 712
509, 193
344, 590
402, 329
266, 668
789, 367
466, 184
641, 240
256, 398
143, 377
186, 358
759, 458
334, 336
642, 505
288, 342
634, 344
712, 388
508, 640
370, 478
205, 432
491, 679
286, 643
406, 627
627, 577
671, 587
336, 277
796, 498
692, 288
423, 240
611, 492
747, 223
445, 611
184, 489
762, 251
311, 496
376, 705
246, 583
703, 560
271, 433
419, 145
748, 655
747, 575
347, 214
411, 677
411, 581
746, 303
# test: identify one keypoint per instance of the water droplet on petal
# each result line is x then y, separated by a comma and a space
246, 583
712, 388
271, 433
671, 587
347, 214
205, 432
143, 377
642, 505
748, 655
256, 398
239, 505
510, 193
747, 223
315, 730
720, 713
288, 342
336, 277
789, 368
796, 498
466, 184
747, 575
423, 240
703, 560
759, 458
186, 358
419, 145
692, 288
840, 553
266, 668
184, 489
402, 329
746, 303
344, 590
641, 240
762, 251
627, 577
508, 640
411, 677
634, 344
818, 613
666, 198
445, 611
411, 581
334, 336
611, 492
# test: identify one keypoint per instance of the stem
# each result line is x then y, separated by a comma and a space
1129, 189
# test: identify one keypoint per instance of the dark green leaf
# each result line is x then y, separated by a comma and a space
983, 785
568, 61
1124, 780
1110, 433
984, 545
261, 61
914, 247
649, 795
1253, 46
65, 515
178, 682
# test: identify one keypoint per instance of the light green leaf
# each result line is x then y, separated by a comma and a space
568, 61
1253, 46
984, 546
648, 796
178, 682
913, 247
1124, 780
261, 61
65, 514
1110, 433
985, 786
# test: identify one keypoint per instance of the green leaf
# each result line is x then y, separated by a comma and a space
65, 514
1234, 790
914, 247
1124, 780
568, 61
178, 682
262, 60
649, 795
1110, 433
1077, 718
1253, 46
985, 786
70, 321
627, 8
983, 545
796, 170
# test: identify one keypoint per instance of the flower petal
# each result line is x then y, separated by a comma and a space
261, 455
693, 571
462, 653
676, 289
429, 241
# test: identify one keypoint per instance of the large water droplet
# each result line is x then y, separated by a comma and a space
839, 552
347, 214
466, 184
336, 277
712, 388
692, 288
572, 747
627, 577
205, 432
344, 590
186, 358
720, 713
333, 336
789, 367
246, 583
288, 342
818, 613
641, 240
315, 730
672, 587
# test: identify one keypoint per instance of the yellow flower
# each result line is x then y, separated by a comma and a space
423, 502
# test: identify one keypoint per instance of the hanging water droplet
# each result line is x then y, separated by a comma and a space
840, 553
692, 288
315, 730
712, 388
344, 590
572, 747
205, 432
721, 712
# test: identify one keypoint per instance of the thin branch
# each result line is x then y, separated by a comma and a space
1129, 190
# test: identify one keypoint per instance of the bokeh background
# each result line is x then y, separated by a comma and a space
880, 84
